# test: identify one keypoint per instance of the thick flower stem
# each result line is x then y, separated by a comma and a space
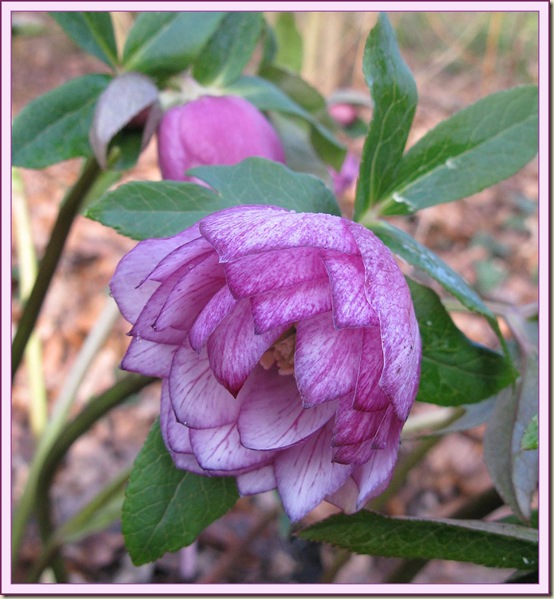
68, 211
95, 409
476, 508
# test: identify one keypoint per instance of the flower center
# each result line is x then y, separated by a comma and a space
281, 353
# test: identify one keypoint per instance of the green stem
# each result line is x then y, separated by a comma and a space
95, 409
476, 508
77, 522
68, 211
38, 404
58, 419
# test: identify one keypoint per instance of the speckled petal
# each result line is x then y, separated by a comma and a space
288, 305
347, 278
388, 294
240, 233
271, 270
369, 396
374, 476
220, 304
145, 326
326, 361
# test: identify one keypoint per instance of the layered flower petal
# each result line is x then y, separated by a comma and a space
389, 296
259, 273
219, 305
220, 448
285, 306
285, 420
326, 359
127, 284
198, 400
351, 308
257, 481
148, 357
190, 294
230, 232
234, 348
305, 473
288, 348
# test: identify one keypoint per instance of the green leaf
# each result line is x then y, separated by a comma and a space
489, 544
301, 156
530, 438
261, 181
229, 50
289, 42
394, 95
296, 89
267, 96
161, 44
165, 509
514, 470
92, 31
454, 370
55, 126
475, 148
145, 209
417, 255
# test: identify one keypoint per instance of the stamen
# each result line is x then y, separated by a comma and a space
281, 353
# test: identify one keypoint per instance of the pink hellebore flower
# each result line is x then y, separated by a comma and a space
214, 130
288, 348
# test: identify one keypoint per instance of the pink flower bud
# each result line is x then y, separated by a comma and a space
344, 114
288, 348
214, 130
347, 175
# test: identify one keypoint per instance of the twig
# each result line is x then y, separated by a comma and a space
235, 551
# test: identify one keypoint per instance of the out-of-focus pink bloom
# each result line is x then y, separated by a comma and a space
347, 175
214, 130
344, 114
288, 348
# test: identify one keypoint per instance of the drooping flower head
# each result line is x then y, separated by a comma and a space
214, 130
288, 348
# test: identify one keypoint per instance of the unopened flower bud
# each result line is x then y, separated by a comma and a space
214, 130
